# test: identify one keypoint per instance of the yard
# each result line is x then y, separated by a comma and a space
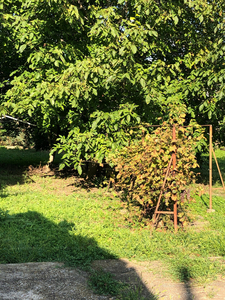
54, 217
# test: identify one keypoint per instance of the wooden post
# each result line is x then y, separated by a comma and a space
210, 167
174, 174
162, 188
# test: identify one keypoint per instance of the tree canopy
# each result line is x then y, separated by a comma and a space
87, 72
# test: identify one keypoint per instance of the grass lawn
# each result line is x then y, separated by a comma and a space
46, 218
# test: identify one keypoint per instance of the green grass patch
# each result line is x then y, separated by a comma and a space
23, 158
38, 222
104, 283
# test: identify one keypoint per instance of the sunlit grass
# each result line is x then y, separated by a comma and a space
41, 222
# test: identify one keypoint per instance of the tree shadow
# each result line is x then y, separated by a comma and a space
185, 277
16, 163
31, 237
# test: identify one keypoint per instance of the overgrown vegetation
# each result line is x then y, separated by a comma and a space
142, 166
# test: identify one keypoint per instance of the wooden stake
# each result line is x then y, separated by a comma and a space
210, 167
162, 188
174, 174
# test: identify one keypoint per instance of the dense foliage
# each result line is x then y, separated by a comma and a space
87, 71
142, 166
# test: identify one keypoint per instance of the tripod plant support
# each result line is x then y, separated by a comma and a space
172, 161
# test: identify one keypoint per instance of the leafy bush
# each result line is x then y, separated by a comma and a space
104, 136
143, 164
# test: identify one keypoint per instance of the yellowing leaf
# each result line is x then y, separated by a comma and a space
174, 197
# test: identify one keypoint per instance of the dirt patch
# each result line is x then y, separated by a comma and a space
43, 281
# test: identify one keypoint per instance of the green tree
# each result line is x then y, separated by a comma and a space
95, 69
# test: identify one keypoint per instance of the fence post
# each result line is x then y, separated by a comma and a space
210, 167
174, 174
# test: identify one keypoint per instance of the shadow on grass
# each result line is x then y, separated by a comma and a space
185, 277
17, 165
203, 199
14, 164
30, 237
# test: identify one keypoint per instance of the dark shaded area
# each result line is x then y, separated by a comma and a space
185, 277
203, 177
27, 135
18, 165
206, 204
15, 164
30, 237
133, 286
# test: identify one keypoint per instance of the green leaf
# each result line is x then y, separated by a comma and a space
210, 114
148, 99
95, 92
221, 94
77, 93
113, 31
201, 107
22, 48
76, 12
142, 82
133, 48
61, 166
153, 32
121, 51
176, 20
56, 63
79, 169
52, 101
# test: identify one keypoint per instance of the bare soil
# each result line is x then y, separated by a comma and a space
48, 281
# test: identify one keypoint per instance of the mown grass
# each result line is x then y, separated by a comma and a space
40, 223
